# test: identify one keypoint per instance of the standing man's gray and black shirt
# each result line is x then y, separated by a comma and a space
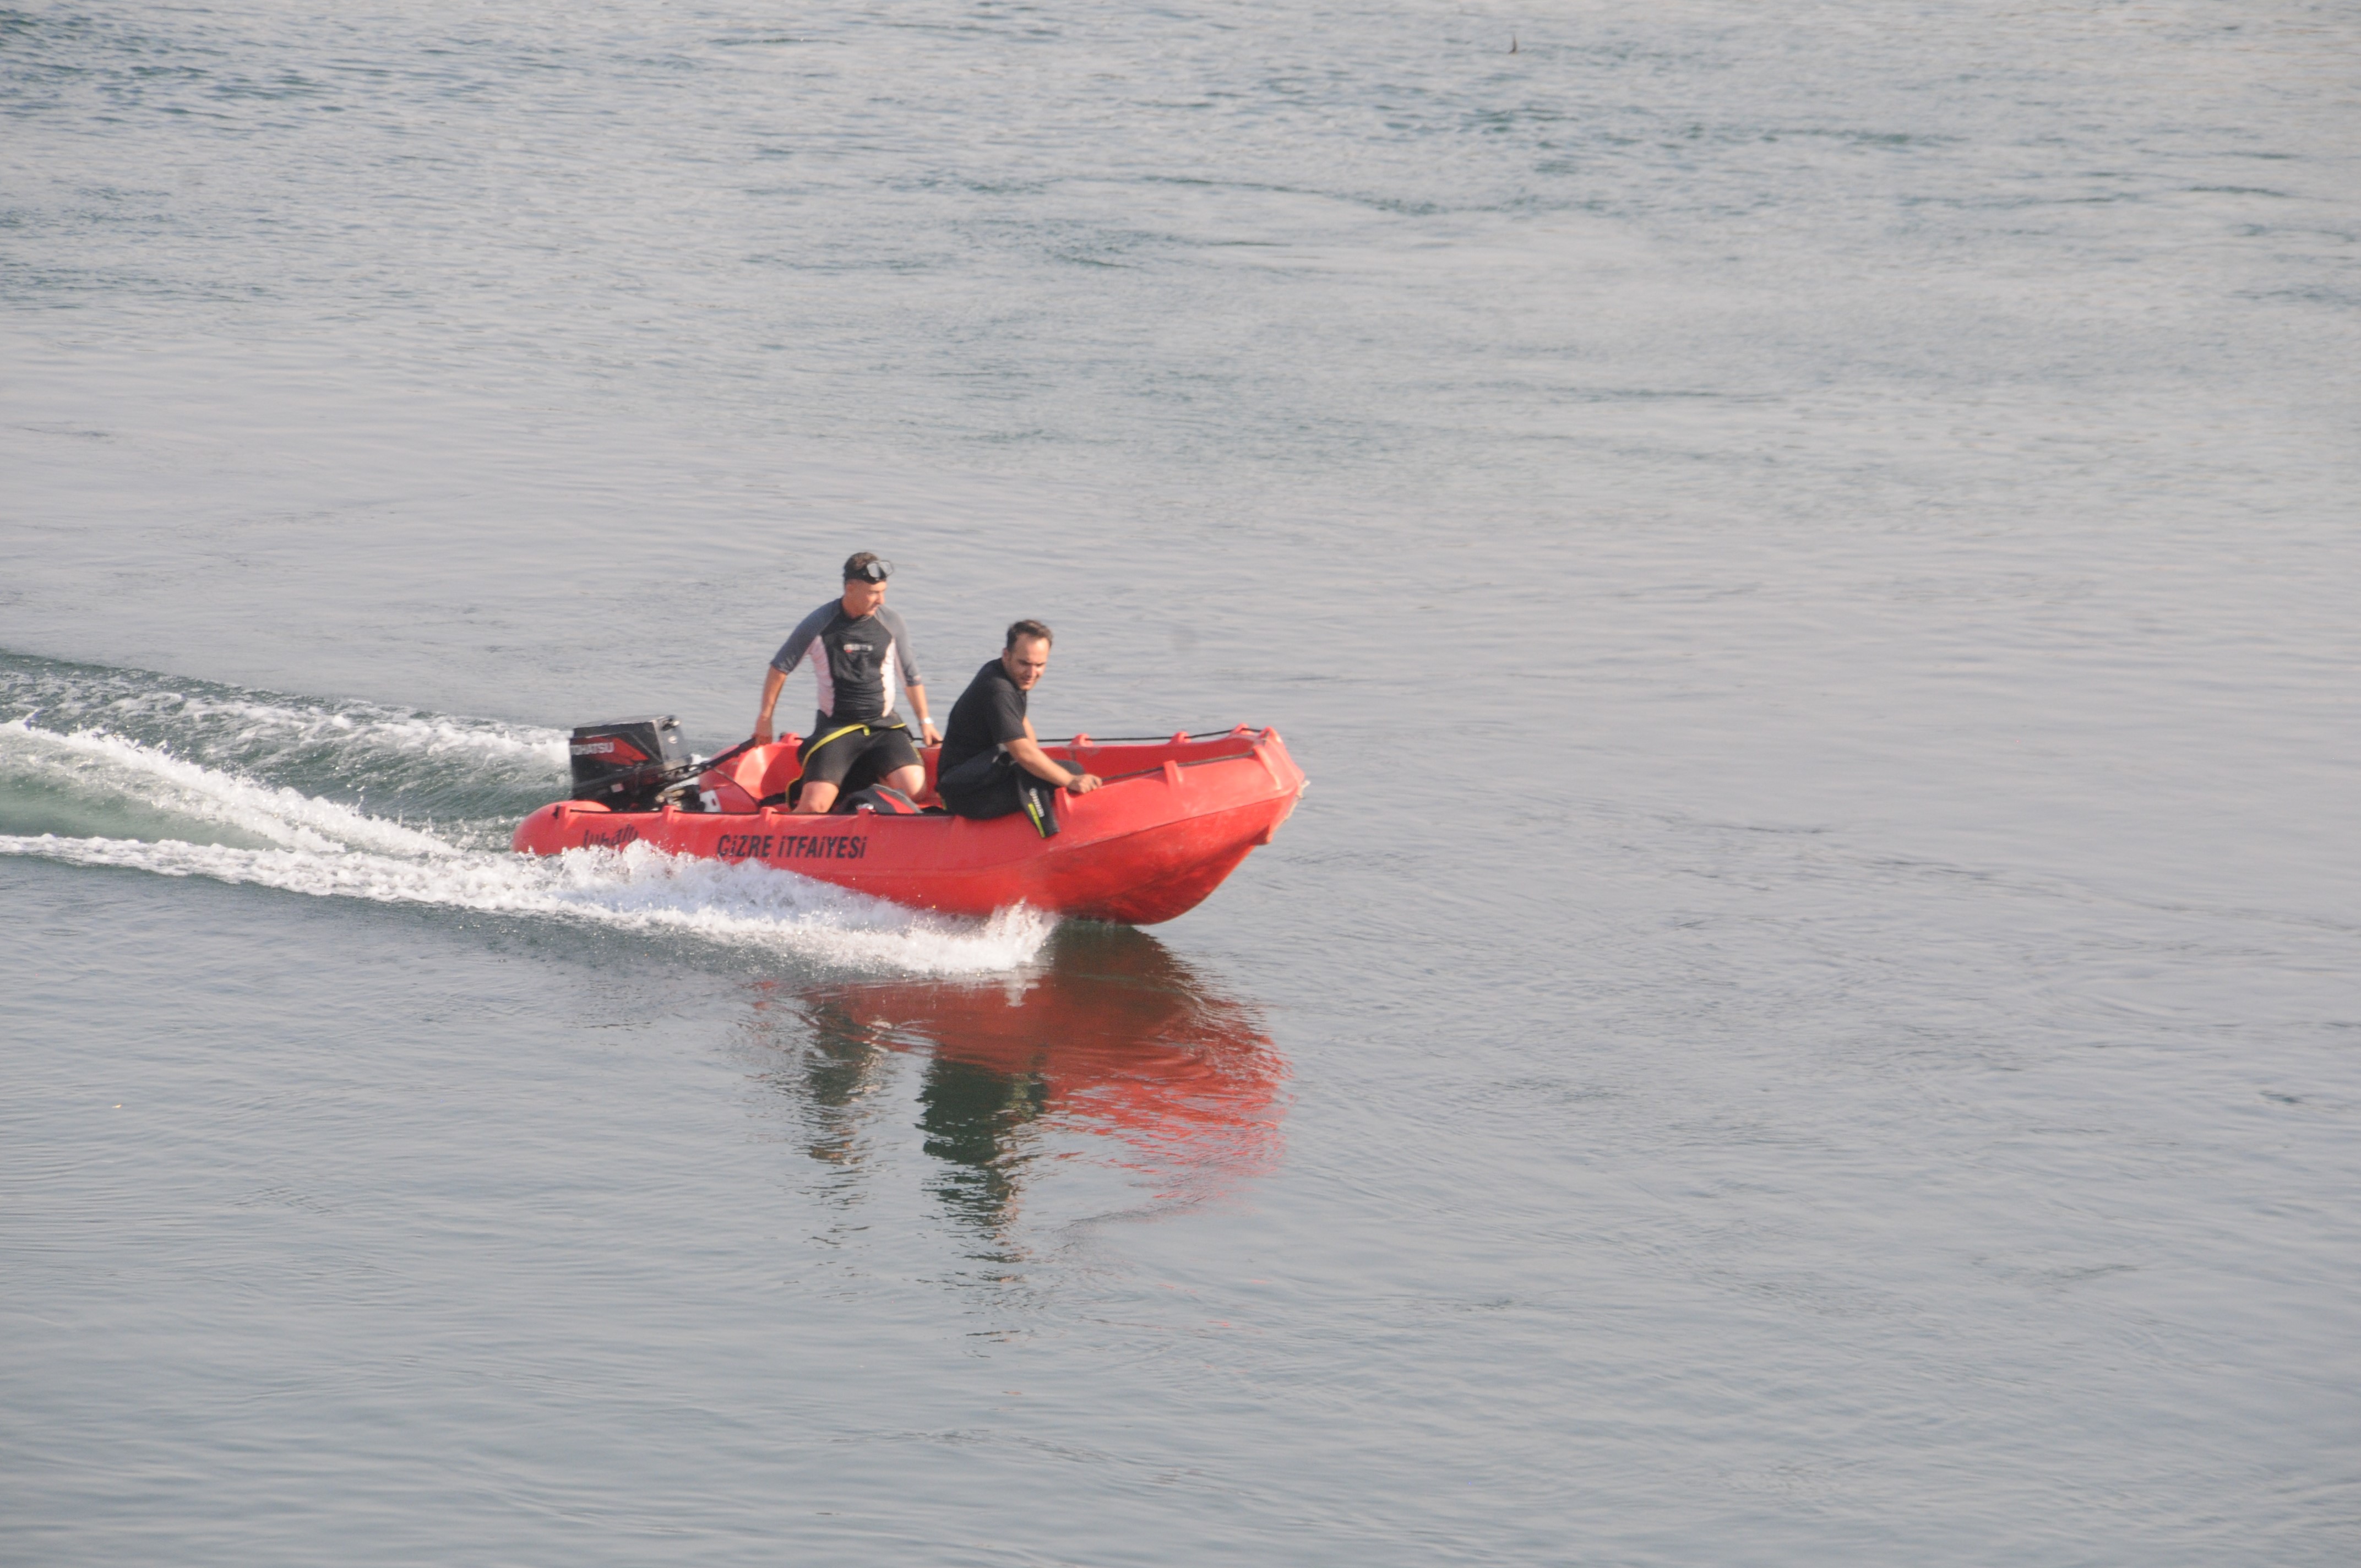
856, 661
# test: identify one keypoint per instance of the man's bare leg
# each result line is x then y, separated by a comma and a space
909, 780
815, 799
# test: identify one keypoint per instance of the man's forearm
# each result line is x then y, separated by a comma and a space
1035, 760
771, 682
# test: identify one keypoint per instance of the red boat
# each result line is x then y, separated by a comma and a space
1173, 819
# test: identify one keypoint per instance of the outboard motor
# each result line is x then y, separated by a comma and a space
622, 765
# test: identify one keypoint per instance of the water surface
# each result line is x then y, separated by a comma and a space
1808, 1016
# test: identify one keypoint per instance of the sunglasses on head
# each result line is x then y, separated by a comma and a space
871, 572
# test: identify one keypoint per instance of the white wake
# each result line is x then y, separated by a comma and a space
326, 850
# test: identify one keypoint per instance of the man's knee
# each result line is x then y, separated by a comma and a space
815, 799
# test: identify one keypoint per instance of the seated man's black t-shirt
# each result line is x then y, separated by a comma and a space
988, 714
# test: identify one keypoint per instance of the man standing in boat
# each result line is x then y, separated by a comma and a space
857, 646
992, 763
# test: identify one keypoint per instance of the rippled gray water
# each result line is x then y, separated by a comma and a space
1809, 1015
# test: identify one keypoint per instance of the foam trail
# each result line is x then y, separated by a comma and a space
258, 723
277, 814
328, 849
637, 889
469, 777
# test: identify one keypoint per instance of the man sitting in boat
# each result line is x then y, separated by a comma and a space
992, 763
856, 646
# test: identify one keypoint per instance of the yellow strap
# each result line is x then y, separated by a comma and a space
864, 729
836, 735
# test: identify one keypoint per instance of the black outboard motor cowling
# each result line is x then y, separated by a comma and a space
622, 764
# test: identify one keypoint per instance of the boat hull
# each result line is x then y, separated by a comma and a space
1173, 820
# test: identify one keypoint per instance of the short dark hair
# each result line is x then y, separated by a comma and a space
1017, 629
856, 567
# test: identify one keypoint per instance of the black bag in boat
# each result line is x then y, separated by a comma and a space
883, 799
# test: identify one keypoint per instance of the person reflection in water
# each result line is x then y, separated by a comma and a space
1110, 1035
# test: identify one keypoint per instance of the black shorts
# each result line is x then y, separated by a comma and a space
990, 784
861, 753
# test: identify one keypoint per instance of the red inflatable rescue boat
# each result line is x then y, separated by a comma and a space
1173, 820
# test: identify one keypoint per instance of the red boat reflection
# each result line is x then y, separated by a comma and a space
1107, 1035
